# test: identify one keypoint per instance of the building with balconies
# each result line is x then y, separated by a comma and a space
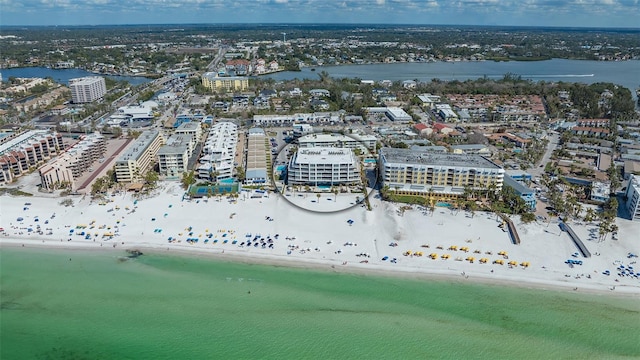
87, 89
24, 151
173, 156
74, 162
633, 197
321, 166
440, 176
218, 152
139, 157
214, 82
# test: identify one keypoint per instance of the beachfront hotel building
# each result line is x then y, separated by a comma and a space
87, 89
218, 152
363, 142
139, 157
322, 166
439, 176
75, 161
633, 197
21, 152
173, 156
212, 81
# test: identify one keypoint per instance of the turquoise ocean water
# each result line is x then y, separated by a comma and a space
60, 304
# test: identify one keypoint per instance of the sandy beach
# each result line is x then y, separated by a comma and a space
269, 229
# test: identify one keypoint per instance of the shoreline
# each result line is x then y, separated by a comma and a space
391, 240
349, 269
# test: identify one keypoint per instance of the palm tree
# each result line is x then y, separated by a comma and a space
468, 192
432, 207
472, 207
318, 196
589, 215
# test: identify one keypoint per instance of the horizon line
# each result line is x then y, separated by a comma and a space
262, 24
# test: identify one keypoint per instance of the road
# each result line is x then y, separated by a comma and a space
213, 65
553, 143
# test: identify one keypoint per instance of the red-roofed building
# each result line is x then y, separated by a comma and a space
422, 129
442, 128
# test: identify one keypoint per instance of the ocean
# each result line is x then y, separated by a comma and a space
72, 304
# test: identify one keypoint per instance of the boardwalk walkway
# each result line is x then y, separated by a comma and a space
513, 233
576, 240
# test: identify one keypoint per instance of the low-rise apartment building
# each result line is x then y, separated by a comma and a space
326, 118
256, 160
218, 152
354, 141
525, 193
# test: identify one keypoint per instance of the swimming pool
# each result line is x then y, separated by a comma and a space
443, 204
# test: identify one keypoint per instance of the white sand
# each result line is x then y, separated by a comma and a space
323, 239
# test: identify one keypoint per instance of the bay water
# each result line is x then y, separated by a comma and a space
625, 73
62, 76
72, 304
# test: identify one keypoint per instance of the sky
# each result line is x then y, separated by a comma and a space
565, 13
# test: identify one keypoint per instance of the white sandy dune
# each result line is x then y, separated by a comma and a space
281, 233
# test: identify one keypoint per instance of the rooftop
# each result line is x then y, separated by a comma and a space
176, 144
314, 138
520, 188
22, 139
392, 155
600, 189
138, 147
321, 155
188, 126
84, 80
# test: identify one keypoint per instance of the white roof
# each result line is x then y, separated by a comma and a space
322, 155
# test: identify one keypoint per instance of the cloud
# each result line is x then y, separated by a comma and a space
505, 12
